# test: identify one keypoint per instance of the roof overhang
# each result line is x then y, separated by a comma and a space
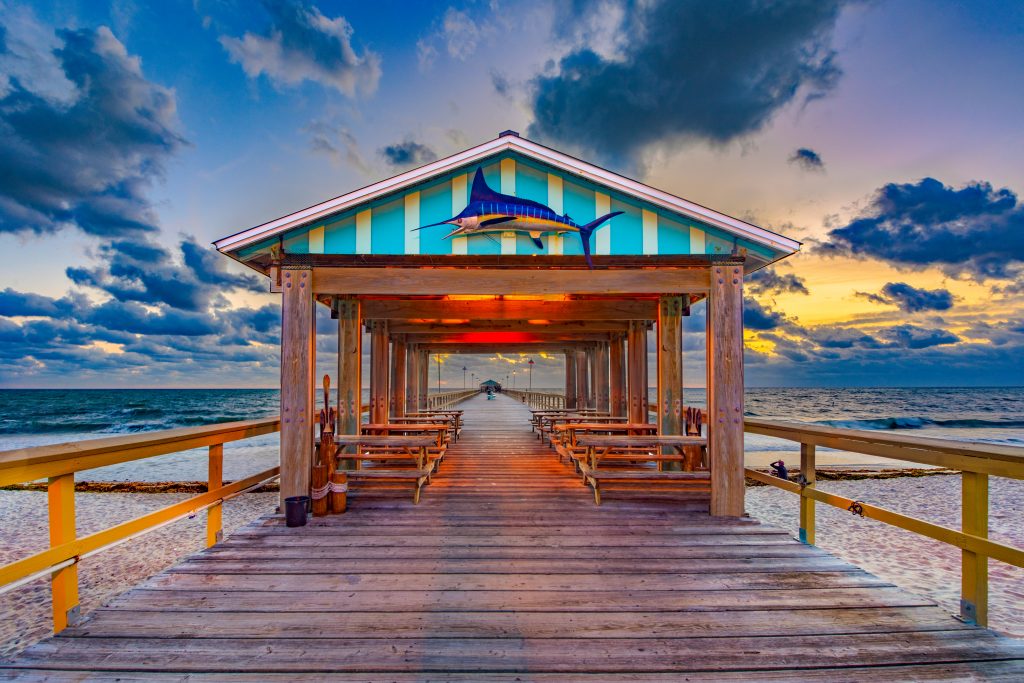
514, 143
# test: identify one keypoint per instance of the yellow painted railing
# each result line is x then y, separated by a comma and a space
538, 400
448, 399
976, 461
58, 465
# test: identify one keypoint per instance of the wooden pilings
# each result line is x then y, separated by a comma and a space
725, 390
582, 380
412, 377
380, 372
670, 365
298, 359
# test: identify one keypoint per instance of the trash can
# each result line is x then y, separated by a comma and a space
295, 509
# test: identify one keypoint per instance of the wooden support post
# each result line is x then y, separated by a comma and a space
582, 380
974, 571
412, 377
601, 379
670, 368
617, 375
379, 371
725, 390
214, 513
424, 383
637, 372
570, 380
60, 493
807, 479
398, 377
350, 371
298, 360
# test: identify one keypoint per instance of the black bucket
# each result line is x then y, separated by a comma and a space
295, 509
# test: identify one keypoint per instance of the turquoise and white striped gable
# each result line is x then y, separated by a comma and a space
386, 224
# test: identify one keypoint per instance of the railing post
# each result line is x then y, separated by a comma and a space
60, 493
974, 570
807, 480
214, 514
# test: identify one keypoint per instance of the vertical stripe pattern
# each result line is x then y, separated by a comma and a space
650, 223
412, 222
603, 235
460, 245
363, 243
556, 205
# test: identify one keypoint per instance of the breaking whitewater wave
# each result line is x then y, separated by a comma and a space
920, 423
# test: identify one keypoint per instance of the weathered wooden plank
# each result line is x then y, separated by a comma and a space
506, 309
524, 601
518, 654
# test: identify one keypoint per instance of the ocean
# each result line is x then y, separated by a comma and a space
40, 417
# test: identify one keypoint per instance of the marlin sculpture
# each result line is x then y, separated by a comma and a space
489, 211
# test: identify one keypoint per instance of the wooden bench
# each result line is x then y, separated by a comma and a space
438, 432
632, 450
392, 452
454, 415
548, 422
565, 436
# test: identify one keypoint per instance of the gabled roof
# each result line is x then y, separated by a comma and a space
510, 141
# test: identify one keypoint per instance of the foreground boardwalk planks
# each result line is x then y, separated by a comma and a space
507, 571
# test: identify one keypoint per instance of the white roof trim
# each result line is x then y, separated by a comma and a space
530, 149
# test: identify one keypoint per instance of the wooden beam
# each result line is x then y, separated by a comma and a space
490, 349
494, 281
350, 370
433, 325
499, 338
505, 309
379, 371
298, 360
617, 375
601, 376
725, 390
398, 362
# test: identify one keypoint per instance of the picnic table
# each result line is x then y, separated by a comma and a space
454, 415
547, 422
392, 451
630, 450
565, 436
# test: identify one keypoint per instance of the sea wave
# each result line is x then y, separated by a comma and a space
912, 422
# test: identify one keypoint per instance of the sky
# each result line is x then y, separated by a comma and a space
886, 135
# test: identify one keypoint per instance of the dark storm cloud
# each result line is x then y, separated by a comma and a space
710, 71
975, 231
914, 337
134, 318
86, 160
147, 273
13, 303
408, 153
807, 159
302, 44
767, 282
911, 299
758, 317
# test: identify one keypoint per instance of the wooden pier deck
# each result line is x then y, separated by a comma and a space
507, 571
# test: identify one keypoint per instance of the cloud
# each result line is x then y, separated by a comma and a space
807, 159
82, 136
974, 231
408, 153
758, 317
458, 34
14, 303
914, 337
304, 45
147, 273
911, 299
336, 142
767, 281
684, 71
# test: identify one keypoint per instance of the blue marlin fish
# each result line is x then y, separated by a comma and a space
489, 211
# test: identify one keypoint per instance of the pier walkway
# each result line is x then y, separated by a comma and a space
508, 571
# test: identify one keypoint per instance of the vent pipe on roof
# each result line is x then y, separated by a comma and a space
507, 133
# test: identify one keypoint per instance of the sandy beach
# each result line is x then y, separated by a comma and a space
112, 572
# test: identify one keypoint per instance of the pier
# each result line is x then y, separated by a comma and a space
508, 571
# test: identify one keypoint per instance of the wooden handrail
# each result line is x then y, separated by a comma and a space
976, 461
59, 463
